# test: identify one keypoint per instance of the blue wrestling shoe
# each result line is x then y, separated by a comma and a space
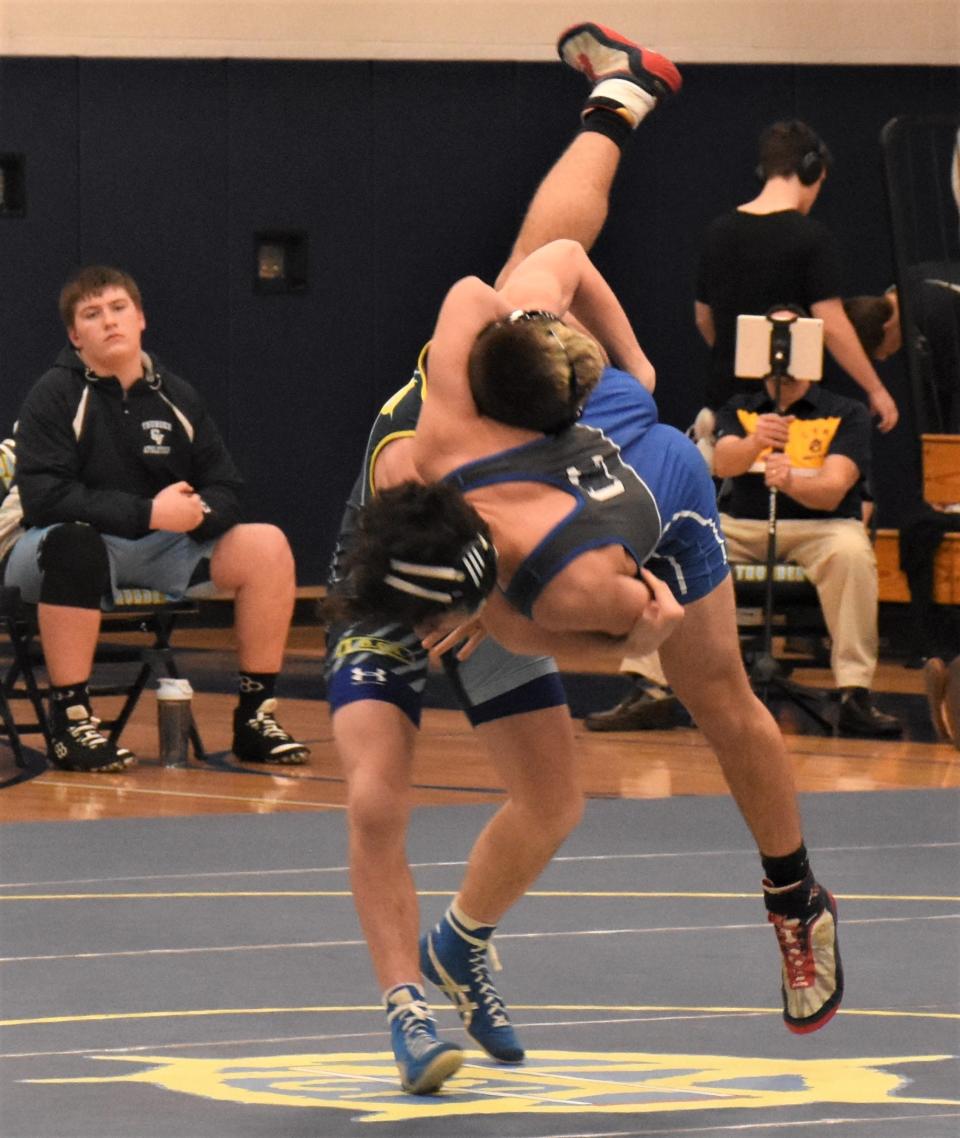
804, 918
456, 962
424, 1061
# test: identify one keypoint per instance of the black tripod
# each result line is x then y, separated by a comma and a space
767, 676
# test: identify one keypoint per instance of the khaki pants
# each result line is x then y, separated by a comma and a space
838, 558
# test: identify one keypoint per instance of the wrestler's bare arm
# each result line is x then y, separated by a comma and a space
594, 593
519, 634
561, 278
466, 310
621, 615
557, 277
450, 428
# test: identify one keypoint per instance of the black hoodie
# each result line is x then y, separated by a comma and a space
89, 452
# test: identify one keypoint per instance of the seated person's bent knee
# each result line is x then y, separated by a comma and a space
76, 570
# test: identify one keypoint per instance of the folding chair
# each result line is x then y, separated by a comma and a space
796, 605
140, 610
10, 610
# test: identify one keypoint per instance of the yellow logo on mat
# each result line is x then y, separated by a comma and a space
551, 1082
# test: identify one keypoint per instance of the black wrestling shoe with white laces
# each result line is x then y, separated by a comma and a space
804, 917
259, 738
79, 746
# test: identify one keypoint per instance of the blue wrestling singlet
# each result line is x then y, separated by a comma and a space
690, 555
635, 483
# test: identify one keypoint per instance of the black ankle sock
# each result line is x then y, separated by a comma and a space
254, 688
68, 695
602, 120
788, 870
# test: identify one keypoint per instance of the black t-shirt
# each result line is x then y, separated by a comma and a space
831, 424
751, 262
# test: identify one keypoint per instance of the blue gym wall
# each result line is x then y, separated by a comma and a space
405, 176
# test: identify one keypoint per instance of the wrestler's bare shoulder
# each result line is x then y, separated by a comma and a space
395, 464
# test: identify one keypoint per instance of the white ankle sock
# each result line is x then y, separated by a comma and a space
637, 102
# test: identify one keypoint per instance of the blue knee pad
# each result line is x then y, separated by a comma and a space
76, 569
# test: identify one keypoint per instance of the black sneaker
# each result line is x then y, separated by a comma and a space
81, 747
858, 716
261, 739
804, 918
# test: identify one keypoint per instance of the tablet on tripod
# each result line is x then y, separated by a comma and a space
761, 338
781, 345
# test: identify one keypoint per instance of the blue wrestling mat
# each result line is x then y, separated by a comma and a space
205, 977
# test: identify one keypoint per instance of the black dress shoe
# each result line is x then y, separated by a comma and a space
639, 710
858, 716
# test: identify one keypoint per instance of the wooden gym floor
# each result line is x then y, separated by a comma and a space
654, 764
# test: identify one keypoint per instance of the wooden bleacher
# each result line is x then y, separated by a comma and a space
941, 488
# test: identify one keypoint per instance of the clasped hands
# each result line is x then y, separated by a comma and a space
774, 431
178, 508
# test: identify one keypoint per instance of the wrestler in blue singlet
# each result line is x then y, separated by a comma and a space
635, 483
690, 554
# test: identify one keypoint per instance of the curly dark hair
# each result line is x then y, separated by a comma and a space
426, 524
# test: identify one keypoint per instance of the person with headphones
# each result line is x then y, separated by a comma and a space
769, 251
766, 252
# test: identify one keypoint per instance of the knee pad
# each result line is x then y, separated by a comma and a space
76, 570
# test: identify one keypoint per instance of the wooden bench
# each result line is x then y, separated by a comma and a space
893, 582
941, 469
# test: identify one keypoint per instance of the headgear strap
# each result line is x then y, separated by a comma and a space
522, 315
468, 581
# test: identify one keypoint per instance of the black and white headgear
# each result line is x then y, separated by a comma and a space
464, 584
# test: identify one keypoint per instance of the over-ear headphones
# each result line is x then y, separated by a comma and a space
811, 166
812, 162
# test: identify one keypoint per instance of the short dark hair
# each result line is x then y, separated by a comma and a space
533, 372
791, 147
92, 280
868, 314
428, 524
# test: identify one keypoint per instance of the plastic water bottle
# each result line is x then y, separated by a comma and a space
174, 717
